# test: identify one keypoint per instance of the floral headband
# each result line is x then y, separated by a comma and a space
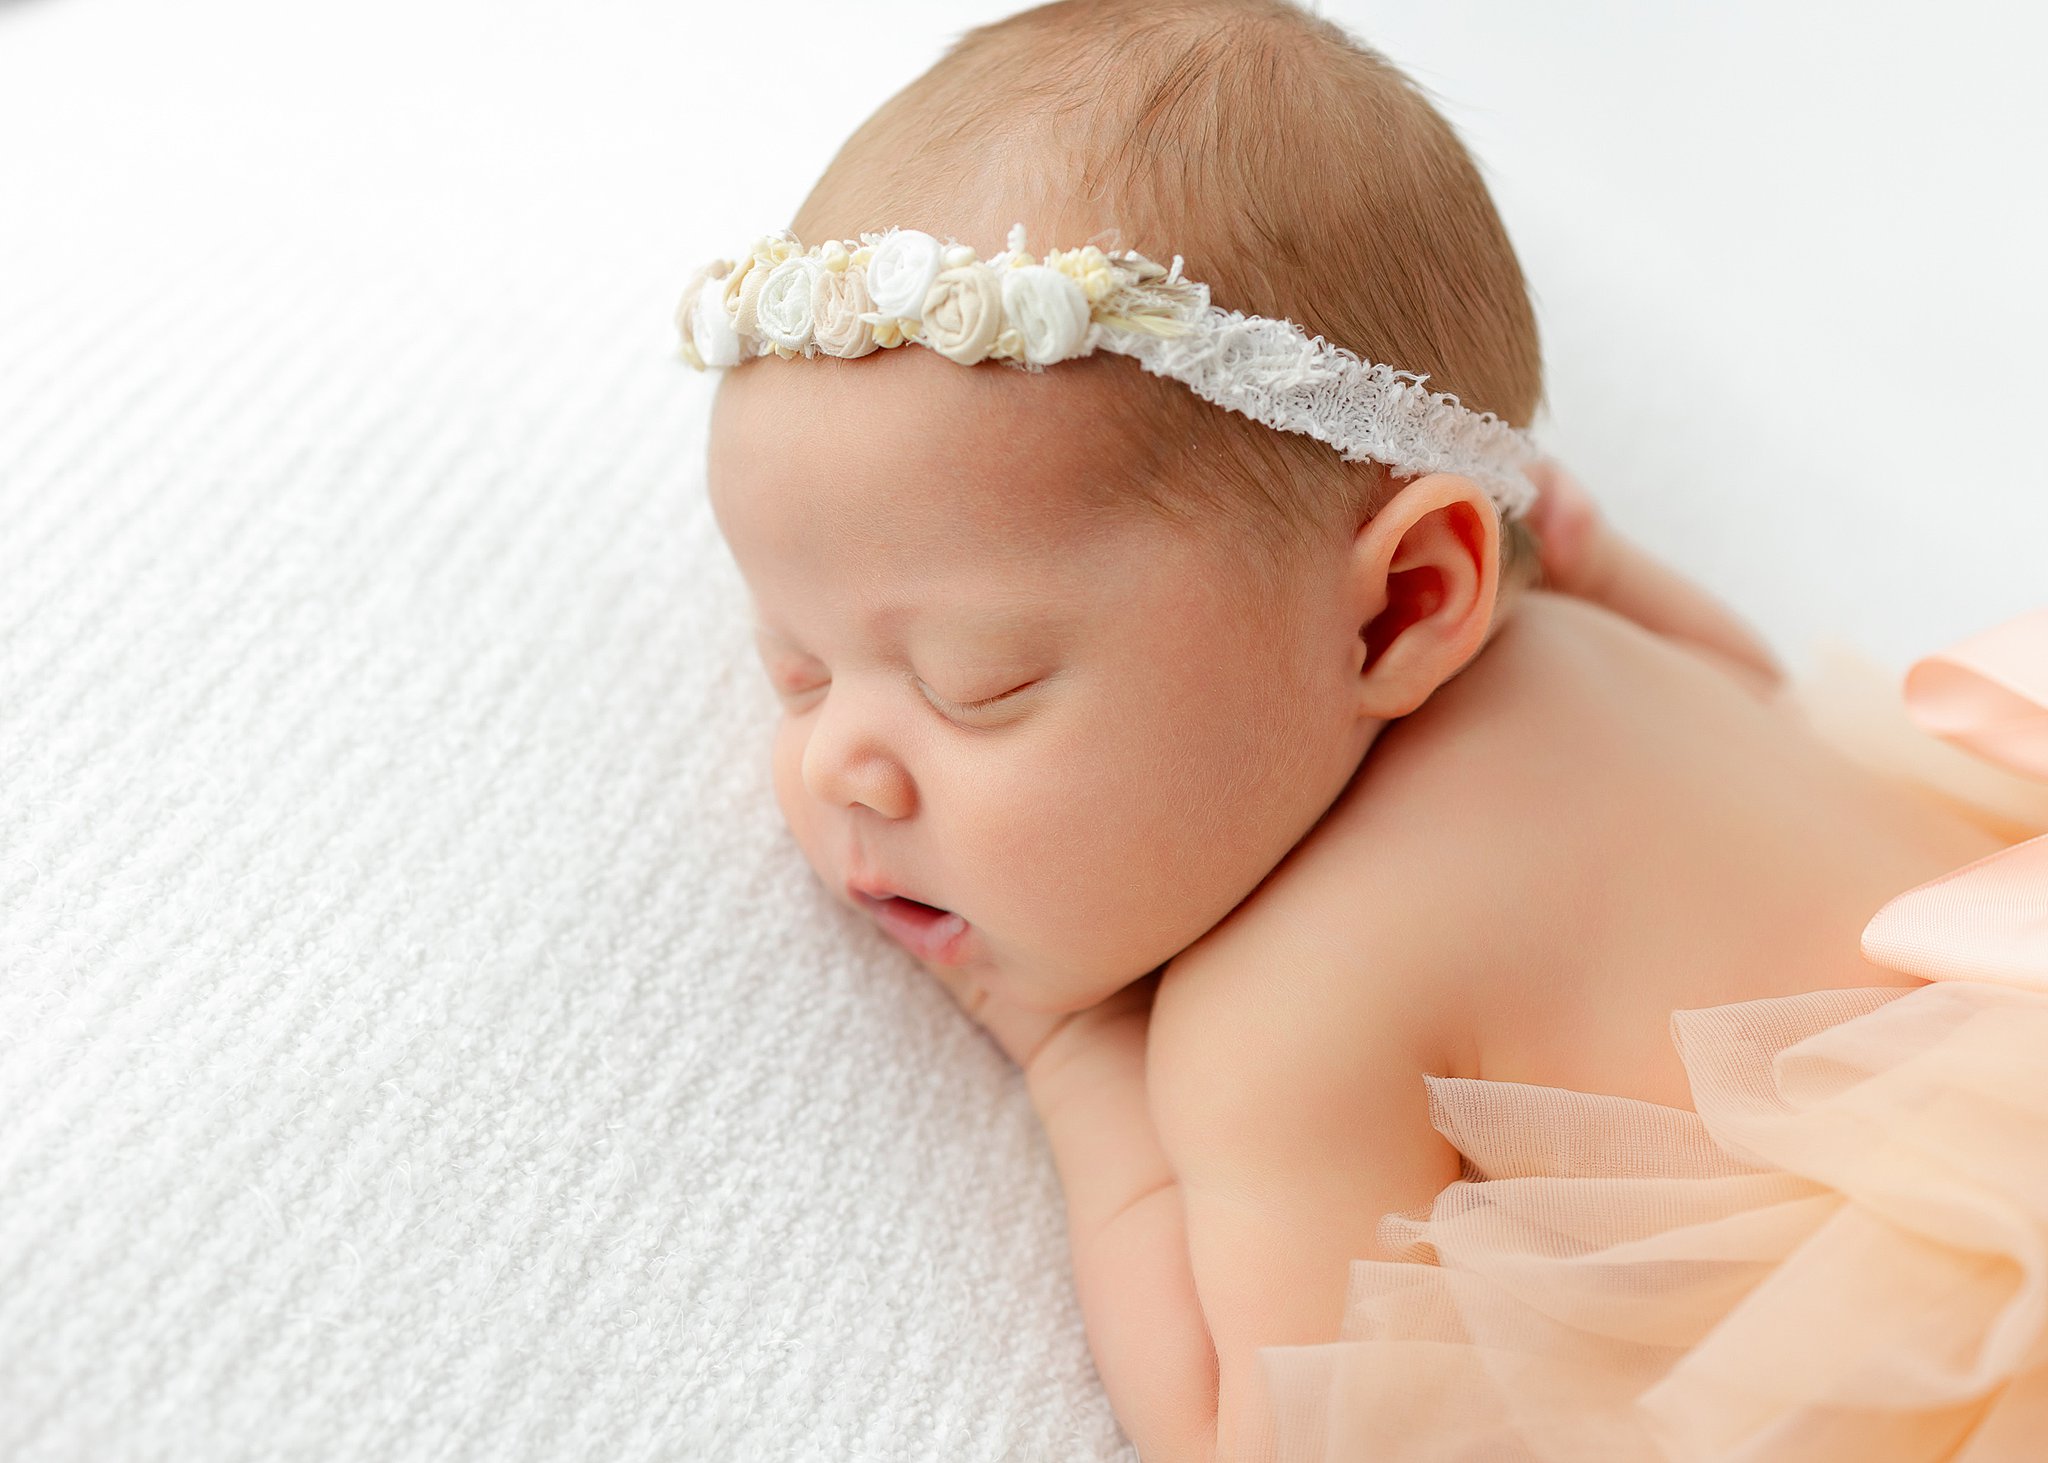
903, 285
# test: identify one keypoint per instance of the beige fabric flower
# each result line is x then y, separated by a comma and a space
838, 300
963, 313
743, 296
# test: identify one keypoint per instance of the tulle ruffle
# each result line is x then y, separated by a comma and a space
1843, 1254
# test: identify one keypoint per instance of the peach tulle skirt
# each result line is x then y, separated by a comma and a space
1842, 1254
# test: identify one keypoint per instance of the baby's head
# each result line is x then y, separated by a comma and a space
1076, 654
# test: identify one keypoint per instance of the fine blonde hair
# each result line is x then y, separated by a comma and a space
1296, 171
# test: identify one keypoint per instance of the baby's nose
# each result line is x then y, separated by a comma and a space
845, 763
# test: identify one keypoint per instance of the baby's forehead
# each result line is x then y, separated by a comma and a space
890, 448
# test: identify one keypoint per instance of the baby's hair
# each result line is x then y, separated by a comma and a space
1296, 171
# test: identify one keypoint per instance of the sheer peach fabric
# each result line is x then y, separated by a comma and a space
1842, 1255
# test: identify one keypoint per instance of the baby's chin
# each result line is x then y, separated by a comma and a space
1050, 994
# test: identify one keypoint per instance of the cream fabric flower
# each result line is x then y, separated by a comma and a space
784, 306
743, 296
963, 313
1048, 311
1087, 266
838, 300
901, 271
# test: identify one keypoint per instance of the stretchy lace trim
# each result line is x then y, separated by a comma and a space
1275, 372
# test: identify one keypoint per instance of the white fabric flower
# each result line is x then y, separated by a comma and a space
963, 313
1048, 310
783, 311
712, 333
901, 271
838, 300
686, 311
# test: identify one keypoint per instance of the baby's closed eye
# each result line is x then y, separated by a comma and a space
979, 703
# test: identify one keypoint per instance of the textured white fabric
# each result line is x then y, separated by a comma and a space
1275, 372
419, 1039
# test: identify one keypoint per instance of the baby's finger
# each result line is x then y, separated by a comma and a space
1609, 570
1565, 522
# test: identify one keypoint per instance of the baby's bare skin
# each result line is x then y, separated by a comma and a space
1586, 829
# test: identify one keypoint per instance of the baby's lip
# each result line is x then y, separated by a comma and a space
922, 929
927, 931
872, 890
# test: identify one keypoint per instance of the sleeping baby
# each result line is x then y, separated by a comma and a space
1339, 826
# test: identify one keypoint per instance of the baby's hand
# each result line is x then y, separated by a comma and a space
1026, 1035
1583, 556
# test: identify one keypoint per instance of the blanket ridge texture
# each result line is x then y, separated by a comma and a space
419, 1038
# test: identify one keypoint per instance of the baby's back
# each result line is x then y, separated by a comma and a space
1663, 840
1586, 829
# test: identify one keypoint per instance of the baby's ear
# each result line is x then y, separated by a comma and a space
1425, 571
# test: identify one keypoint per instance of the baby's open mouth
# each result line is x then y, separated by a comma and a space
923, 929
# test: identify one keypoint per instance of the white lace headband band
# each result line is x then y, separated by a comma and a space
904, 285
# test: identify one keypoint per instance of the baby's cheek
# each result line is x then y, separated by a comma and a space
1062, 851
787, 758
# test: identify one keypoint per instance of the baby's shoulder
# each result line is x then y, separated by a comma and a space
1288, 1041
1323, 996
1427, 886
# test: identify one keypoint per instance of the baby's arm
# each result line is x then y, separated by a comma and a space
1294, 1125
1583, 556
1127, 1228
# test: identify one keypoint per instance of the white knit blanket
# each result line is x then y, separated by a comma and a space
419, 1039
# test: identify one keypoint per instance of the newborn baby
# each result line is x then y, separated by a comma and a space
1237, 788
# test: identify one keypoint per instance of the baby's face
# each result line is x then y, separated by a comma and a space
1071, 730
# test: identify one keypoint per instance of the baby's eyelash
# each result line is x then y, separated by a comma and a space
986, 700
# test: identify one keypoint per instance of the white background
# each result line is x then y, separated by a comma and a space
1785, 256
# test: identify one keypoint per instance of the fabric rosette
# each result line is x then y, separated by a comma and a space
839, 299
703, 322
783, 309
744, 285
1047, 309
899, 286
901, 271
962, 313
